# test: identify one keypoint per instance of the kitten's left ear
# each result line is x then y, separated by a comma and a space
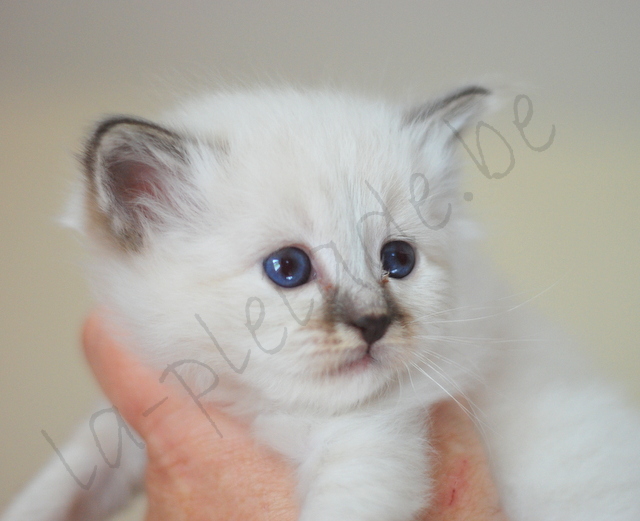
455, 110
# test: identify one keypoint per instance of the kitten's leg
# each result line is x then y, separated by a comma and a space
65, 491
364, 468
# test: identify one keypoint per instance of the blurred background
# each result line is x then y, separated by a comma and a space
564, 224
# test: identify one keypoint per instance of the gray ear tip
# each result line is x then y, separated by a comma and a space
104, 125
110, 124
472, 95
99, 130
472, 90
464, 101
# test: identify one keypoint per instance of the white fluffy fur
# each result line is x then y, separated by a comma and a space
267, 169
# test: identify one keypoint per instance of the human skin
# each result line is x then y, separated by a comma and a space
194, 474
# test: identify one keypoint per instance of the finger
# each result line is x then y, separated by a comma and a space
136, 390
464, 487
190, 467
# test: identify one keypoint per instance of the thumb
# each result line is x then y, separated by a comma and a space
130, 386
143, 397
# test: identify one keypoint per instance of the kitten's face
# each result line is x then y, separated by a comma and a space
288, 240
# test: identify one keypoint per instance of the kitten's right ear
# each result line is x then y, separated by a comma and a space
137, 177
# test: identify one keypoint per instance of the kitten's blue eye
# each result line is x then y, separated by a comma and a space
398, 259
288, 267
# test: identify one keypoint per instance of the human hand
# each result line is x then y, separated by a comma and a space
195, 474
464, 487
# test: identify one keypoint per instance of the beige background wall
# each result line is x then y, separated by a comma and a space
564, 223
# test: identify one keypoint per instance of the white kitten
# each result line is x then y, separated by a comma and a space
310, 248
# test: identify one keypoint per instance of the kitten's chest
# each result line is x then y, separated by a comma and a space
288, 434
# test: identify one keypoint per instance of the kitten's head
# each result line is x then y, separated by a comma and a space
298, 243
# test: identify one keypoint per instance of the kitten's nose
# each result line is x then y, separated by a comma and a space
372, 327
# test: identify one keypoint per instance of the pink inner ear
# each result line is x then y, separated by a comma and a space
132, 180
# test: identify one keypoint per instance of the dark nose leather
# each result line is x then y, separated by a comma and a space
372, 327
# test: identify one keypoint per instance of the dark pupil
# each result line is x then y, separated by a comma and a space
401, 257
288, 267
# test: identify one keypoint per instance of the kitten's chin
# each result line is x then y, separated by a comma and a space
351, 384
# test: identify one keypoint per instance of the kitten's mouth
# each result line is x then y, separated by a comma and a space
355, 366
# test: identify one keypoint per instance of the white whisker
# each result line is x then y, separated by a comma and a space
472, 412
424, 357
